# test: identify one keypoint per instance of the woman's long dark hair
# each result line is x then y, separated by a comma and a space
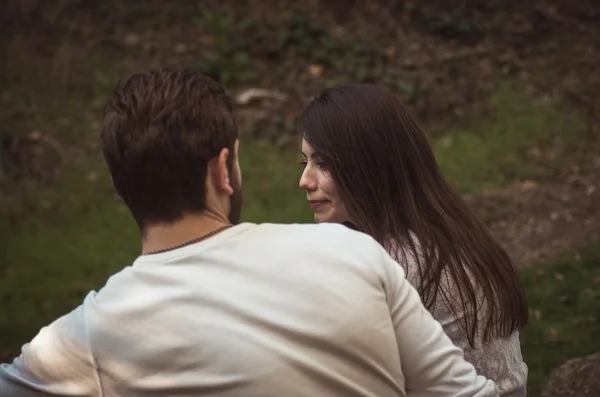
387, 175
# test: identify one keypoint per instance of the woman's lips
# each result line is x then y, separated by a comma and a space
315, 204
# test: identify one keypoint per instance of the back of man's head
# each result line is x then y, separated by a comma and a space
160, 130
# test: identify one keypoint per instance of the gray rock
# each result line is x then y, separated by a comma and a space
579, 377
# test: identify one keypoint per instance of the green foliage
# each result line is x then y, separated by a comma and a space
564, 300
455, 22
344, 58
230, 63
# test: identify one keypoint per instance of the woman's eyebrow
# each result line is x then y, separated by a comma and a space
313, 155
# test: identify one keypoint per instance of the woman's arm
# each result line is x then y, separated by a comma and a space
433, 366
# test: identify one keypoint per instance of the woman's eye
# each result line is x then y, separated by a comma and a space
319, 164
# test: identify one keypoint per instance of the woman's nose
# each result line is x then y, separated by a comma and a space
307, 182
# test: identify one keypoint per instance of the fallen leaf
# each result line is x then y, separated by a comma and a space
131, 39
552, 335
315, 70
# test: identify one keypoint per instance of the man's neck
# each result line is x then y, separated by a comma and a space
164, 236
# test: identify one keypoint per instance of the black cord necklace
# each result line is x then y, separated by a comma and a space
189, 242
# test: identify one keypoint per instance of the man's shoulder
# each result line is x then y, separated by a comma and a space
307, 228
326, 234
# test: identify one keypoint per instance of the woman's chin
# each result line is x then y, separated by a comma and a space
321, 219
326, 219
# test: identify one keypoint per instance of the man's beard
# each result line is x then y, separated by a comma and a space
235, 203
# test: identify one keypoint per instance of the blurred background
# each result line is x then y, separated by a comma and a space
507, 90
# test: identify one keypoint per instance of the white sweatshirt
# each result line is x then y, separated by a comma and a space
257, 310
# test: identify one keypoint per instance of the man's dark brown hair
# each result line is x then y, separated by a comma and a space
385, 170
160, 130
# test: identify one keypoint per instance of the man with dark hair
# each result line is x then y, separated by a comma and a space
216, 308
161, 134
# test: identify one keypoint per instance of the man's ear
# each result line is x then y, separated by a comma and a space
220, 171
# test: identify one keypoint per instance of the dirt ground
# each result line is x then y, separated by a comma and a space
535, 221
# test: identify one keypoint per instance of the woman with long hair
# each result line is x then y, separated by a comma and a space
368, 164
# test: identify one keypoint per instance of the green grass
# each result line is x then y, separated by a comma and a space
69, 237
523, 139
564, 298
83, 234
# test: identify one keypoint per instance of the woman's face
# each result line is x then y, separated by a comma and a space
320, 189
